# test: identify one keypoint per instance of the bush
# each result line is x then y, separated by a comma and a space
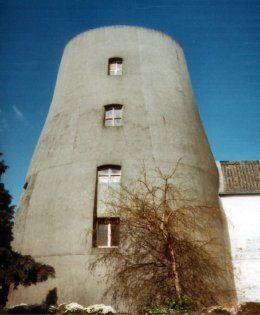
29, 309
220, 310
249, 308
173, 306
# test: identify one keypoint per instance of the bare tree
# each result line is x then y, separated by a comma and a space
162, 252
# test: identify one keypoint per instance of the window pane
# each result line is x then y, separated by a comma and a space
115, 179
109, 122
115, 69
103, 176
115, 171
115, 234
117, 113
113, 66
103, 179
103, 172
118, 72
109, 113
117, 122
102, 233
119, 69
112, 72
115, 175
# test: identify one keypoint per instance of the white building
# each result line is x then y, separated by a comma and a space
240, 196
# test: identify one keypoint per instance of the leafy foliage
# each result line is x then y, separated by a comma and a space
249, 308
183, 305
15, 268
6, 213
220, 310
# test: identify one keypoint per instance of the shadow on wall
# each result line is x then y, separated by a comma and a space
51, 299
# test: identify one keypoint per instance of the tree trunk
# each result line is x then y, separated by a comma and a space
175, 272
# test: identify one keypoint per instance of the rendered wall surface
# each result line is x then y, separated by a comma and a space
244, 221
161, 125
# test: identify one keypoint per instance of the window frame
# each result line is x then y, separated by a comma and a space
116, 62
116, 113
113, 172
109, 222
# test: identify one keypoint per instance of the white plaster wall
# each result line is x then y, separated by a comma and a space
243, 215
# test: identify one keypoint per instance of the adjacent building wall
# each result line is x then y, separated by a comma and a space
243, 215
240, 196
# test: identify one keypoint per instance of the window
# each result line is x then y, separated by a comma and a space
109, 174
106, 228
107, 232
115, 66
113, 115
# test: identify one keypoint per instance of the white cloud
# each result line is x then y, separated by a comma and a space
19, 115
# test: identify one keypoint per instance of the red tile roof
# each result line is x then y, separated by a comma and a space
239, 177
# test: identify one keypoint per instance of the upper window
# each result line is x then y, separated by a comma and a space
107, 232
115, 66
113, 115
109, 174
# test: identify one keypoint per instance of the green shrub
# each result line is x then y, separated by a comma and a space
220, 310
173, 306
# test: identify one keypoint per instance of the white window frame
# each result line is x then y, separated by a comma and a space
113, 113
115, 66
109, 234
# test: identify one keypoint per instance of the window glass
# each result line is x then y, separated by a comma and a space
109, 113
113, 115
102, 233
109, 175
103, 172
109, 122
117, 113
117, 122
107, 232
115, 179
103, 179
115, 175
115, 66
115, 234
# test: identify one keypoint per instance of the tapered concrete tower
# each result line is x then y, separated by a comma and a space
123, 97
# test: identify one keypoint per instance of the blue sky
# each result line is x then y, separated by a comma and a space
221, 41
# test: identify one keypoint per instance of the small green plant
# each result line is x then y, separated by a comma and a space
183, 305
220, 310
151, 309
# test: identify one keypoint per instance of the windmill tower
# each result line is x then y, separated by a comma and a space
123, 96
